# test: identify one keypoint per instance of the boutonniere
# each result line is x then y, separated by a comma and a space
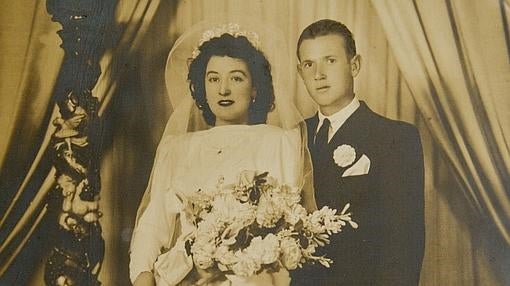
345, 155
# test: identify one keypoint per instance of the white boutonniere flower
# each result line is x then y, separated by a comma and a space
344, 155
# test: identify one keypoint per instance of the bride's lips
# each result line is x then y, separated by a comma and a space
323, 88
225, 102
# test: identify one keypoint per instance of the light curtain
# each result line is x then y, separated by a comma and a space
135, 107
454, 55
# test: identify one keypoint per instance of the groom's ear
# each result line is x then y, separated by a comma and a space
355, 65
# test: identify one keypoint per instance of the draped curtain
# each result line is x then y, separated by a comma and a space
29, 67
455, 55
425, 62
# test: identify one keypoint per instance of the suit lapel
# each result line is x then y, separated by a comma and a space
331, 188
355, 132
312, 123
355, 128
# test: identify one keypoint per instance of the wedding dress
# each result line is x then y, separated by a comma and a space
191, 157
196, 161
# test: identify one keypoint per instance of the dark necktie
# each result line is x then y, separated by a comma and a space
321, 139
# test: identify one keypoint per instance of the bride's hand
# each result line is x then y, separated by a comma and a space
207, 275
145, 279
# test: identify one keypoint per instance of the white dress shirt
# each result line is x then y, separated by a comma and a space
338, 119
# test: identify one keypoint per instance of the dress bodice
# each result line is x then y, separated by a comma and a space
199, 159
189, 162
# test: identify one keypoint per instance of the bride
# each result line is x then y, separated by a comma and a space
232, 115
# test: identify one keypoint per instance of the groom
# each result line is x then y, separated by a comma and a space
361, 158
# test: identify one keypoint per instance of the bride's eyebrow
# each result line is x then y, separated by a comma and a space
239, 71
211, 72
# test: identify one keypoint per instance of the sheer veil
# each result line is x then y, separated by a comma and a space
186, 116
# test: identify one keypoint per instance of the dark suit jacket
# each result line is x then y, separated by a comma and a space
387, 203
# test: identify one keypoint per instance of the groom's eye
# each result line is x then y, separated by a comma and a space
331, 60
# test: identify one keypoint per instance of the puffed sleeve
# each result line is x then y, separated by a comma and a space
157, 215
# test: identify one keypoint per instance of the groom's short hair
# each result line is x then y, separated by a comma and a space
327, 27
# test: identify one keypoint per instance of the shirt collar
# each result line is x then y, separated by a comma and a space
338, 119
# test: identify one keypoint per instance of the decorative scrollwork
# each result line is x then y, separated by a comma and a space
78, 252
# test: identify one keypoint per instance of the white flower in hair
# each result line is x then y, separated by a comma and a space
232, 29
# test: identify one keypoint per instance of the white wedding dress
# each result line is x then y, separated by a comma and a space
192, 161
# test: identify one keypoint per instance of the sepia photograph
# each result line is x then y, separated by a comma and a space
254, 142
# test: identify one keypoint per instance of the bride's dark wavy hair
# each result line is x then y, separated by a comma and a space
258, 66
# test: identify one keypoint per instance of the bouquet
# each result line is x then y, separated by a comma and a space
258, 225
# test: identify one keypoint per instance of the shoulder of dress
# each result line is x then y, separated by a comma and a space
310, 120
278, 133
268, 130
274, 128
172, 141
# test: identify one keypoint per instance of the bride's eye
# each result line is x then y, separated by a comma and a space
237, 79
213, 79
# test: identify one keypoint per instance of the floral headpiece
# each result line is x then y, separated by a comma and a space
232, 29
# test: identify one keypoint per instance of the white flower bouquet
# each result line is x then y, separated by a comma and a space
258, 225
